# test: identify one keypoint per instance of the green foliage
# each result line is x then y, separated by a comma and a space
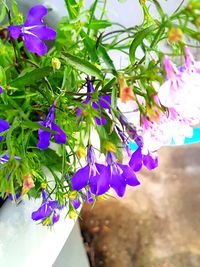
84, 45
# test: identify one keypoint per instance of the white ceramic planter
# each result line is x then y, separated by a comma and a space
23, 243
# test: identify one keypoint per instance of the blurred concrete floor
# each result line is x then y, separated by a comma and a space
154, 225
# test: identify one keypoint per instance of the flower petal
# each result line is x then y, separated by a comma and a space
81, 178
56, 216
60, 137
128, 173
150, 160
100, 183
44, 138
100, 121
43, 32
136, 160
35, 15
105, 101
76, 203
34, 44
4, 125
44, 210
1, 90
118, 182
15, 31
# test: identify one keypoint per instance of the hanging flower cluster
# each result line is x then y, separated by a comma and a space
69, 119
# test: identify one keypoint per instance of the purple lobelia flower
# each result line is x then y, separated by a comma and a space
48, 212
4, 125
5, 158
117, 175
33, 31
90, 175
104, 102
87, 197
76, 203
44, 136
141, 157
1, 90
16, 197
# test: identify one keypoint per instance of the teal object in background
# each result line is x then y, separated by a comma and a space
194, 139
188, 141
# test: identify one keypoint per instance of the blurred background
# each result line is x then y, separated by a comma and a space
156, 224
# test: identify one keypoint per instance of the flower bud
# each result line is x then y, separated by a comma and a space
28, 183
72, 195
153, 113
143, 2
102, 197
126, 93
110, 147
55, 62
197, 22
85, 112
175, 35
43, 185
81, 152
72, 214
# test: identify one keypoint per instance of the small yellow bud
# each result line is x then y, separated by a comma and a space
43, 185
143, 2
102, 197
72, 215
81, 152
85, 113
110, 147
72, 195
55, 62
197, 22
175, 35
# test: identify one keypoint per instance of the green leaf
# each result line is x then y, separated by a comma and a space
106, 58
159, 9
98, 24
31, 77
14, 8
83, 65
2, 76
73, 8
90, 46
3, 13
36, 125
138, 40
108, 86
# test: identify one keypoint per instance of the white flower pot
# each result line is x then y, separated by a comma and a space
24, 243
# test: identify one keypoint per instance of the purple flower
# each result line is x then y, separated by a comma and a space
1, 90
44, 136
149, 160
17, 196
90, 174
48, 212
104, 102
118, 175
87, 196
5, 158
76, 203
4, 125
191, 66
33, 31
